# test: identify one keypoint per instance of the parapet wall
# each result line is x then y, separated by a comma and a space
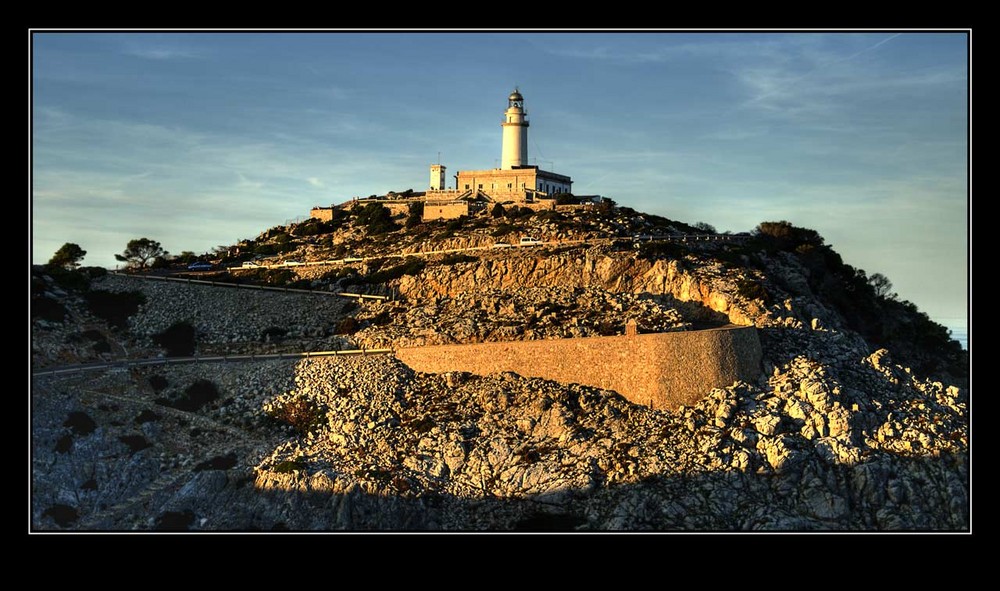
663, 370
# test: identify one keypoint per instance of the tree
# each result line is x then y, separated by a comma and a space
784, 236
186, 257
139, 253
377, 219
705, 227
882, 286
497, 211
68, 256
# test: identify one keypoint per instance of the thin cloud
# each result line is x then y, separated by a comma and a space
162, 52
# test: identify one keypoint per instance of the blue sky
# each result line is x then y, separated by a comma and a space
198, 139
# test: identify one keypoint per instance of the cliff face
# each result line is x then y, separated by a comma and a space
708, 287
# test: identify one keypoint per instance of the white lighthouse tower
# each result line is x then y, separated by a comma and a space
515, 133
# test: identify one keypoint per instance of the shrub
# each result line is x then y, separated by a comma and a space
289, 466
376, 218
94, 272
175, 521
80, 423
114, 307
455, 258
455, 224
217, 463
348, 325
196, 396
273, 334
64, 444
63, 515
135, 443
652, 251
503, 229
44, 308
157, 382
410, 266
497, 211
302, 414
146, 416
784, 236
178, 339
74, 280
340, 273
607, 329
752, 290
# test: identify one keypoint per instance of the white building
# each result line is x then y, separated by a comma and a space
515, 181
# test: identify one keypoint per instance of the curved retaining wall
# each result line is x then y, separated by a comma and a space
662, 370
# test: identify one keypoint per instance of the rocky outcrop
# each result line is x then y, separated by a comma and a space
707, 285
839, 439
523, 314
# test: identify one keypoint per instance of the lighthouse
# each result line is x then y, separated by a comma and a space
514, 152
515, 181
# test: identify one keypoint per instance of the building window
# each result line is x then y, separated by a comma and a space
480, 186
510, 185
466, 185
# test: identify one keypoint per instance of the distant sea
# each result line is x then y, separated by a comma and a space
959, 329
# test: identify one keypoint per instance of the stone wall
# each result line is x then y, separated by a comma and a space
663, 370
323, 214
445, 211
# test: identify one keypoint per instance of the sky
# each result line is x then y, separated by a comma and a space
202, 139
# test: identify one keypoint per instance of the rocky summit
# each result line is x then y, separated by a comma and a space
858, 419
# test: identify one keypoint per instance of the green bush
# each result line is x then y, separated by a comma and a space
455, 258
455, 224
784, 236
63, 515
71, 280
44, 308
178, 339
339, 273
410, 266
503, 229
752, 290
217, 463
289, 466
175, 520
114, 307
302, 414
273, 334
157, 382
195, 396
376, 218
652, 251
135, 443
80, 423
348, 325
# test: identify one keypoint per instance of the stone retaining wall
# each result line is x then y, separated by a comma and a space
663, 370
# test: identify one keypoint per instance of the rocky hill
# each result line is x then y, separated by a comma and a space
858, 421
